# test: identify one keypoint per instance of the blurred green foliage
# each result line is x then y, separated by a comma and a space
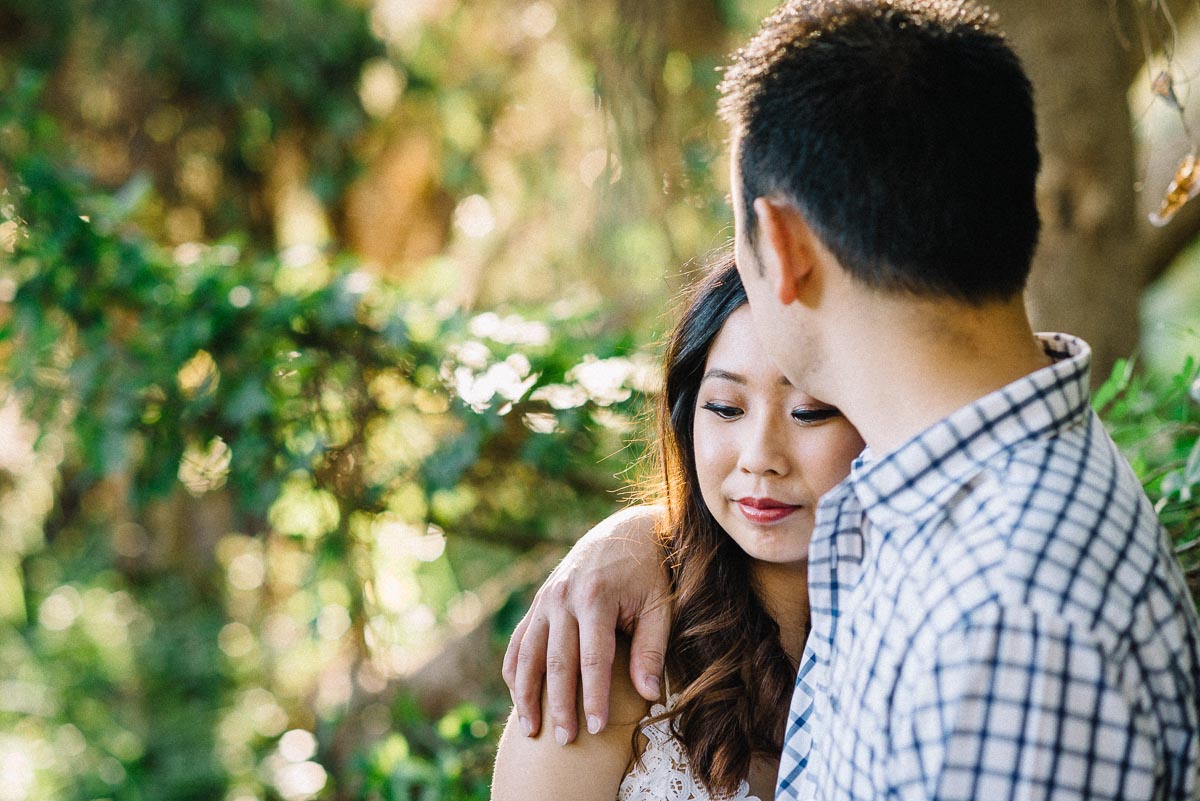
323, 327
228, 478
1156, 423
236, 74
450, 759
343, 425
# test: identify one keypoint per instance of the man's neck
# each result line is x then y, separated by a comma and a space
897, 367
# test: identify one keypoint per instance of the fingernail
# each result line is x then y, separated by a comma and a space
593, 724
526, 729
560, 734
653, 683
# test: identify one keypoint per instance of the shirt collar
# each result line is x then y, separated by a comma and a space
910, 484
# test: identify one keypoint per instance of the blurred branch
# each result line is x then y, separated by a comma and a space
1139, 28
1161, 246
465, 667
465, 664
1164, 143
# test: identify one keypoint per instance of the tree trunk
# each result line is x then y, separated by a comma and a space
1088, 274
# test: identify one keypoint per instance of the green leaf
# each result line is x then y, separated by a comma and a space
1191, 472
1116, 383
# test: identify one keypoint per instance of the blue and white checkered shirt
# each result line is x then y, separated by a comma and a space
997, 614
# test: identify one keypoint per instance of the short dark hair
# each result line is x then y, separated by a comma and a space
903, 131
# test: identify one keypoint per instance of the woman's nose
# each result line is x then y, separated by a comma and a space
761, 448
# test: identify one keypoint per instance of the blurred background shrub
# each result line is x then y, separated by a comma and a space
325, 328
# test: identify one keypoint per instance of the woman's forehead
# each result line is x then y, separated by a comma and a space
737, 355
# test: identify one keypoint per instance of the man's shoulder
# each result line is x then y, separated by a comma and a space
1061, 520
1072, 485
1061, 526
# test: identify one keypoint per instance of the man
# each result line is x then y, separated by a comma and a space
996, 612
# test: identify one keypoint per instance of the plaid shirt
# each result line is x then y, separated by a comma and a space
997, 614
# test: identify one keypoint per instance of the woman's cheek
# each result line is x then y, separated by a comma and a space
708, 448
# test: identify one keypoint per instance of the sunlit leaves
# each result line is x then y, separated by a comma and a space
303, 510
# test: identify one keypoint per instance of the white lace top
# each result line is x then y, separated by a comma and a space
663, 773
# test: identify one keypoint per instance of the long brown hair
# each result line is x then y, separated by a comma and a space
724, 649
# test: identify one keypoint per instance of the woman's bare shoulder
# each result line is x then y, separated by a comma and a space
626, 705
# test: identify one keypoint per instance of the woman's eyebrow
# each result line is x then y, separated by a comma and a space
723, 374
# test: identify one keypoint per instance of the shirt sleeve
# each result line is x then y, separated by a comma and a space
1021, 706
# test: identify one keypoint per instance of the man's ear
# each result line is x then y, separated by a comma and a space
787, 242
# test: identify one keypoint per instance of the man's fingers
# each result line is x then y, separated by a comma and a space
531, 666
646, 651
510, 655
562, 673
597, 645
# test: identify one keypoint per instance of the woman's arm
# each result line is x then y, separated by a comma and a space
589, 769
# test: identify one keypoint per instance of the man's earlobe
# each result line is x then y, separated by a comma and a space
785, 243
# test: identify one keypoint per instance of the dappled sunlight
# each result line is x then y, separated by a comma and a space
474, 217
29, 460
510, 329
380, 87
205, 468
325, 328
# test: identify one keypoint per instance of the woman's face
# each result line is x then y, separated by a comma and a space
765, 451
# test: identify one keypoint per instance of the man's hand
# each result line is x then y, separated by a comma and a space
612, 578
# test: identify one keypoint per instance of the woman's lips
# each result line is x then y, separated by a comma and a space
765, 510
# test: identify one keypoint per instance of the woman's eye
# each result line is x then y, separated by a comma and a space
722, 410
810, 416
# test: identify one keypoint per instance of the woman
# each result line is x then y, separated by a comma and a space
745, 457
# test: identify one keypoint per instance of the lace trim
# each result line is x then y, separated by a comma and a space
664, 773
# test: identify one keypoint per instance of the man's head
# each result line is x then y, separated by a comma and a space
902, 134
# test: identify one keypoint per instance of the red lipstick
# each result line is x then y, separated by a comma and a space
765, 510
